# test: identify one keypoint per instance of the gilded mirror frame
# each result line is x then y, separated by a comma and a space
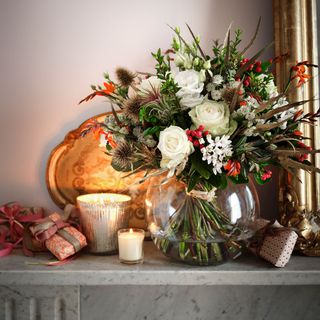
295, 32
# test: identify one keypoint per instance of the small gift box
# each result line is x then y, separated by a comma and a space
273, 242
31, 245
61, 239
15, 218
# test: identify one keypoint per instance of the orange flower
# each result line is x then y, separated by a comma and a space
300, 73
233, 168
110, 140
97, 131
297, 133
109, 88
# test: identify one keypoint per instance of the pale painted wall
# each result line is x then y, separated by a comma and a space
51, 51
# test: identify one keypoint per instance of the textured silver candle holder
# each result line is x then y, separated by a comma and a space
102, 215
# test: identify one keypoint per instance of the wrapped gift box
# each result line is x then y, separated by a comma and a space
17, 218
275, 243
62, 242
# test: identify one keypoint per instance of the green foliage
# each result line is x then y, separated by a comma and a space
239, 179
219, 181
146, 116
152, 130
108, 147
162, 66
200, 166
258, 179
193, 180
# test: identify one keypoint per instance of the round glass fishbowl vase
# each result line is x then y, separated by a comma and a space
198, 228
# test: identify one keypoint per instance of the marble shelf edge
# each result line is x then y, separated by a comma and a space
143, 278
156, 271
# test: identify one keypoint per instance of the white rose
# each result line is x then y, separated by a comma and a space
174, 146
215, 117
191, 88
149, 85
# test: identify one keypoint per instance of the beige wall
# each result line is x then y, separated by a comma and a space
52, 50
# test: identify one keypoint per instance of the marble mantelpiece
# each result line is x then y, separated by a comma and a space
91, 270
99, 288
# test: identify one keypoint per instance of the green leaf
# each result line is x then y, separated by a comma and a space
200, 166
194, 179
265, 66
239, 179
218, 181
152, 130
108, 147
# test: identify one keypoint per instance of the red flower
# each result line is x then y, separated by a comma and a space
232, 167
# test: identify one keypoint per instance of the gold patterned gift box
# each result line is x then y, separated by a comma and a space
273, 242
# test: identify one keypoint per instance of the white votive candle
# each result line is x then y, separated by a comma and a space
131, 245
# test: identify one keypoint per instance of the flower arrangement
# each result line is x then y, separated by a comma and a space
207, 119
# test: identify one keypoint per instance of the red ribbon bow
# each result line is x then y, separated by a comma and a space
47, 227
12, 215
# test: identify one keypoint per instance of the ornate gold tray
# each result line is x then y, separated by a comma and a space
79, 166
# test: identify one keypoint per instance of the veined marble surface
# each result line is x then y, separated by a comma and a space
200, 303
94, 270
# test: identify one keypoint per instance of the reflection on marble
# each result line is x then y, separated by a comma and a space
39, 303
200, 303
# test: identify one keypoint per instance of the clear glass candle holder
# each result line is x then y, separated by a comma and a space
102, 215
131, 245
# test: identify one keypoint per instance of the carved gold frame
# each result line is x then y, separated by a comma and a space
295, 31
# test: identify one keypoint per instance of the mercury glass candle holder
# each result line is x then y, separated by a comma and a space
102, 215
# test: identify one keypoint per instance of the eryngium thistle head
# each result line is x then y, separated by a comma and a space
229, 93
131, 108
122, 156
125, 76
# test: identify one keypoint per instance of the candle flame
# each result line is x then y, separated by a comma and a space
130, 231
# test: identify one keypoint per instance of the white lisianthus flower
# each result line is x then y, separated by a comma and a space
149, 85
252, 102
271, 88
235, 85
217, 152
183, 60
174, 146
191, 87
216, 94
214, 116
217, 79
285, 115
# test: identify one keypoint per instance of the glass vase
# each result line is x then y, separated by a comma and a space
191, 228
